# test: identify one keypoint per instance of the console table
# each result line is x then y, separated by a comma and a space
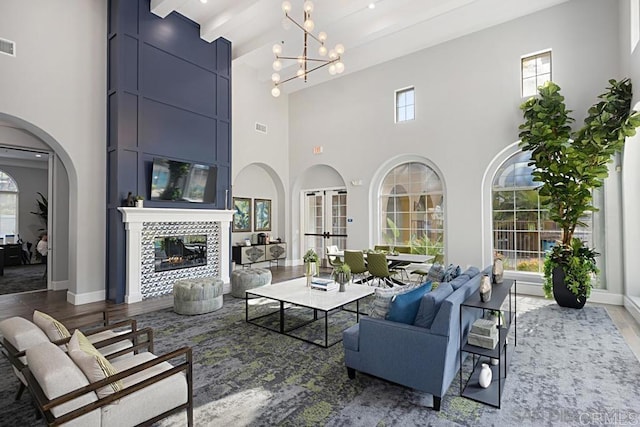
12, 254
247, 255
503, 351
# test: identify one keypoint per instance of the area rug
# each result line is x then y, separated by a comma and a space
23, 278
570, 367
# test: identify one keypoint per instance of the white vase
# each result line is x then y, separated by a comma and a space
139, 203
485, 376
485, 288
497, 272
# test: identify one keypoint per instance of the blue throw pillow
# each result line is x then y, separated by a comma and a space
403, 307
430, 304
436, 273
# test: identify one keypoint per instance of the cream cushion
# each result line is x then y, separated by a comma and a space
94, 365
150, 401
54, 329
57, 375
22, 334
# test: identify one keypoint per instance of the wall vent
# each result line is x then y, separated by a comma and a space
7, 47
261, 128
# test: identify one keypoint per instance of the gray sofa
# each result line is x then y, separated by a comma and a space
423, 358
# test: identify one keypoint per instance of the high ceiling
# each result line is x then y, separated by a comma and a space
371, 36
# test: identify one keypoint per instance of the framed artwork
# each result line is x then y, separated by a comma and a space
262, 214
241, 214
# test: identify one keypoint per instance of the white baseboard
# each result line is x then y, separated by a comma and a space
86, 298
59, 285
598, 296
632, 307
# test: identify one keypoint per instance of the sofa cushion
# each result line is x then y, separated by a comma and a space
459, 281
382, 298
430, 304
94, 365
56, 374
350, 337
404, 307
471, 271
436, 273
452, 271
22, 334
54, 329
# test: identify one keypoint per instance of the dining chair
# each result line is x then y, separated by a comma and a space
379, 269
355, 260
334, 260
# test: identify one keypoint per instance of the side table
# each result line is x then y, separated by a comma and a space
503, 351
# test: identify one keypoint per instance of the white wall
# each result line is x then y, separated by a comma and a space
467, 99
55, 88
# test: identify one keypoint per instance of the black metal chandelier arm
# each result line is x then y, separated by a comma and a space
308, 72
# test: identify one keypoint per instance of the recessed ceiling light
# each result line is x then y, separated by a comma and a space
38, 155
372, 5
203, 1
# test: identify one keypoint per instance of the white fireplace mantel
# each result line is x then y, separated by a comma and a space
134, 219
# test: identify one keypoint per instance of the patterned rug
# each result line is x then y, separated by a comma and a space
23, 278
570, 367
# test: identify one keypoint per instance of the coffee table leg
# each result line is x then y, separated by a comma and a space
282, 317
326, 329
357, 311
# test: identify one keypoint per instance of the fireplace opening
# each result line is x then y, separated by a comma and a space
175, 252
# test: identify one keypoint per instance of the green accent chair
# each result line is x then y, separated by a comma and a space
379, 269
355, 260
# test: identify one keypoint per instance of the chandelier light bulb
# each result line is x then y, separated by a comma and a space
300, 73
308, 6
333, 54
322, 51
286, 7
339, 67
339, 49
300, 60
277, 49
275, 92
275, 77
322, 36
332, 69
277, 65
309, 25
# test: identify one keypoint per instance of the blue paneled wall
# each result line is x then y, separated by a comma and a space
169, 95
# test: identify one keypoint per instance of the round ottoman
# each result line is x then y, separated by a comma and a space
243, 280
197, 296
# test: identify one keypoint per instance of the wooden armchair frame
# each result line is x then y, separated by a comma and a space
44, 405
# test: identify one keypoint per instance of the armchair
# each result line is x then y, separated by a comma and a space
150, 389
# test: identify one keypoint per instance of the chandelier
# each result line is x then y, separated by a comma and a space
306, 64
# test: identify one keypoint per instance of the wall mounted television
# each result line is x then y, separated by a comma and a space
183, 181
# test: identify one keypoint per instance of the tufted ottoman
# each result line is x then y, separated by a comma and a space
197, 296
243, 280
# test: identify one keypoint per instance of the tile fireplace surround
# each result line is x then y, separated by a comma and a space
143, 225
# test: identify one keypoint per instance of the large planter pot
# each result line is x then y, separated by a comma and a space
563, 296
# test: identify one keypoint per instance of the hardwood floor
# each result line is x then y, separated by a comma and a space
55, 304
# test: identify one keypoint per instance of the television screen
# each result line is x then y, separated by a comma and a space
182, 181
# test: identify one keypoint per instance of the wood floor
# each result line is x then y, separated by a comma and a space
55, 303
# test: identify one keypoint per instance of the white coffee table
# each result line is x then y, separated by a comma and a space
296, 293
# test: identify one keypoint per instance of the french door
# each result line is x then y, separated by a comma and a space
325, 221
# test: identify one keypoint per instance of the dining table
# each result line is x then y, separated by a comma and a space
394, 260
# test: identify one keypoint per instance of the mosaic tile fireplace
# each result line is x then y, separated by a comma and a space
152, 232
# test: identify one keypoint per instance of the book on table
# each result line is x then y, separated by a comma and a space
324, 284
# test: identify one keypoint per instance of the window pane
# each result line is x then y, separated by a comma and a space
402, 99
503, 200
542, 78
543, 64
7, 183
401, 114
409, 97
528, 67
529, 87
410, 113
526, 199
8, 213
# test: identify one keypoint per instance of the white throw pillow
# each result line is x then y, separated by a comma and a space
54, 329
94, 365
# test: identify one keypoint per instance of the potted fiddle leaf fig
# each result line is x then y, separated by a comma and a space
570, 165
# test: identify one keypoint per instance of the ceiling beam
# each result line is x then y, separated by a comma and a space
162, 8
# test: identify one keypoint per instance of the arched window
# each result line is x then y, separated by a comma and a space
522, 230
411, 209
8, 205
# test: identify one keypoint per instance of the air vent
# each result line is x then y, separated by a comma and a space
261, 128
7, 47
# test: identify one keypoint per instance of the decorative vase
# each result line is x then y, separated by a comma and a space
563, 295
497, 272
485, 376
342, 279
485, 288
309, 272
494, 361
139, 203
